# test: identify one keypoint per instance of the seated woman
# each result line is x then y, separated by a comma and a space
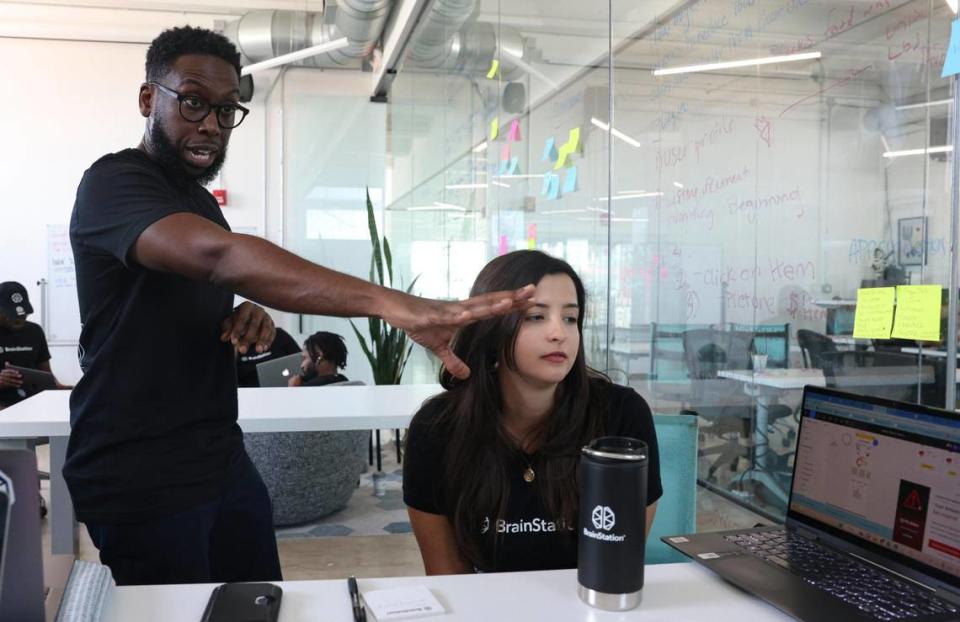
323, 354
490, 473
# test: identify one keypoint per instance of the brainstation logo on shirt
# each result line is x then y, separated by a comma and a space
535, 525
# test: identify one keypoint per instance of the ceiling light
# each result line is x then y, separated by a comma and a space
939, 102
465, 186
500, 183
619, 219
639, 195
527, 176
678, 184
450, 206
283, 59
606, 128
564, 211
481, 147
750, 62
912, 152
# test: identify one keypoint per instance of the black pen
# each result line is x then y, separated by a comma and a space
359, 615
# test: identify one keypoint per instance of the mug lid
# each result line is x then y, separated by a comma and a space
616, 448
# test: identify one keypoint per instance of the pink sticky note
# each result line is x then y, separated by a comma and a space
503, 245
505, 153
532, 230
514, 130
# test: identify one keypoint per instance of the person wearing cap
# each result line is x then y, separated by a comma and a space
155, 464
22, 343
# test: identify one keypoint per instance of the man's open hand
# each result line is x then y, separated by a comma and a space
433, 323
249, 326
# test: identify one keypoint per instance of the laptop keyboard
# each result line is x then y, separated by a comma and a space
857, 583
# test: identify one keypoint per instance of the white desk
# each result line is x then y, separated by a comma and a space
671, 592
272, 409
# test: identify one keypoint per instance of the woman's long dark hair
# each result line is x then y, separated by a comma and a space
480, 455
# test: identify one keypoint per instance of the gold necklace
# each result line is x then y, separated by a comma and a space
529, 474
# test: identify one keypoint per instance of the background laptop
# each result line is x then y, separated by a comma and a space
873, 523
277, 373
34, 381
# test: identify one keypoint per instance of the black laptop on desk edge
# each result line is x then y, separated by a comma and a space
876, 496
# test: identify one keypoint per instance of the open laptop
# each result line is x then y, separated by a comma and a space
277, 373
873, 522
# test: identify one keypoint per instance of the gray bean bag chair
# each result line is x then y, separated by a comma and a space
309, 474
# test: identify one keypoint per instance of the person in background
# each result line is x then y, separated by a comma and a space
283, 345
156, 465
22, 343
497, 453
324, 354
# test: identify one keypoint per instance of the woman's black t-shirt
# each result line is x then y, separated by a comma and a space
530, 539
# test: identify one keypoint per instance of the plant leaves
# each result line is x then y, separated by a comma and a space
374, 239
388, 257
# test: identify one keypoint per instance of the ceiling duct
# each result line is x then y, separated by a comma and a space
450, 38
261, 35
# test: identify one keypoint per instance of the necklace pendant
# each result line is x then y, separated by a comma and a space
529, 475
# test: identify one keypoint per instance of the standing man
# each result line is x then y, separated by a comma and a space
155, 462
22, 343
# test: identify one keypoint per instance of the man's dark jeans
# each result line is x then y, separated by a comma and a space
228, 539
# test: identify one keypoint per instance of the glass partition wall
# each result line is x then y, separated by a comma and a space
723, 218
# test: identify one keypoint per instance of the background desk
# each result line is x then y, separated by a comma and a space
271, 409
671, 592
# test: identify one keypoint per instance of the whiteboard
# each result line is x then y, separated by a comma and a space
61, 311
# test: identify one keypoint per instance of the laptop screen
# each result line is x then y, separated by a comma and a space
881, 474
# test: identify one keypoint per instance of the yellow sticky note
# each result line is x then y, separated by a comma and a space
574, 140
874, 315
495, 128
494, 66
918, 312
562, 157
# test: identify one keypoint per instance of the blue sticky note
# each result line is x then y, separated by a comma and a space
545, 187
549, 150
570, 183
554, 187
503, 167
514, 165
951, 66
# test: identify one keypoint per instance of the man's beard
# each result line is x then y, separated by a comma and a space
166, 154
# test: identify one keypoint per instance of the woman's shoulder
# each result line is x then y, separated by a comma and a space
429, 423
625, 409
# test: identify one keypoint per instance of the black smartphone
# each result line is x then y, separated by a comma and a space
244, 602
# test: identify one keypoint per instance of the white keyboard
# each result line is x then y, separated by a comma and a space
86, 593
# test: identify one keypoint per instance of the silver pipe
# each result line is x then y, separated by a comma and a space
260, 35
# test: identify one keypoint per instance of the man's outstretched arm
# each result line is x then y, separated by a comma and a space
194, 247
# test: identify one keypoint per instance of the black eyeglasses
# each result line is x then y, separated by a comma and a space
195, 109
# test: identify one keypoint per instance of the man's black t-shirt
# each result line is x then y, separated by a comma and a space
154, 417
531, 540
283, 345
24, 347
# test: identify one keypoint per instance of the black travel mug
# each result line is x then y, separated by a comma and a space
612, 538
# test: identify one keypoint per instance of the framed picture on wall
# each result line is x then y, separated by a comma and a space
912, 241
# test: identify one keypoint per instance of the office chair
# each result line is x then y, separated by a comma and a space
676, 510
855, 372
813, 346
720, 403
